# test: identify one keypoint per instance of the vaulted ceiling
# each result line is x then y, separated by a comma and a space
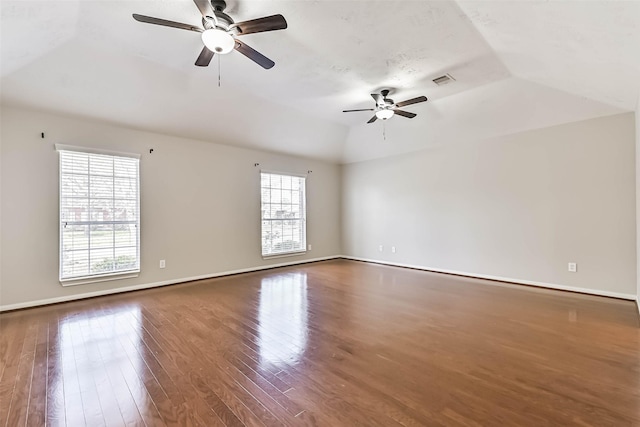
518, 65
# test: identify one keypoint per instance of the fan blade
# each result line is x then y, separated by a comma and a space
405, 114
373, 119
205, 57
260, 25
364, 109
378, 98
204, 6
165, 23
411, 101
254, 55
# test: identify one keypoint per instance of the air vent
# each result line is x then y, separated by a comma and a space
443, 80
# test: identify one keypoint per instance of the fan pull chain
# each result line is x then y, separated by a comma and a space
384, 130
218, 70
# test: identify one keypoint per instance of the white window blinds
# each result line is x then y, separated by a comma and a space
284, 229
99, 214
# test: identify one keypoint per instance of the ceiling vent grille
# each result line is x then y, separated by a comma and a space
443, 80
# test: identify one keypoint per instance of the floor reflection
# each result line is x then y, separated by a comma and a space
94, 353
283, 319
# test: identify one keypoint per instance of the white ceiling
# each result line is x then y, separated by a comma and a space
518, 65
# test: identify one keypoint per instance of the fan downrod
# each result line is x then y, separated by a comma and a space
385, 93
218, 5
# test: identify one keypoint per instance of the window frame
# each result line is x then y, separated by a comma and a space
303, 218
102, 276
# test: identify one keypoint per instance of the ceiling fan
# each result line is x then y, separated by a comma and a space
219, 31
386, 108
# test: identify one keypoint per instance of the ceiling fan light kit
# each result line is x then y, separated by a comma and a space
218, 41
384, 114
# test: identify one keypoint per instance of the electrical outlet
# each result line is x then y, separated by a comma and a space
309, 247
380, 248
393, 249
573, 267
162, 264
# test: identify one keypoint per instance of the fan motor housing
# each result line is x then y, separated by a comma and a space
387, 101
223, 20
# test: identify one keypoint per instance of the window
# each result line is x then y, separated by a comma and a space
284, 229
99, 214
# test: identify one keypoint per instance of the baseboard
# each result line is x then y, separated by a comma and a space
502, 279
67, 298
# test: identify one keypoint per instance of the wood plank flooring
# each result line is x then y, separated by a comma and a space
335, 343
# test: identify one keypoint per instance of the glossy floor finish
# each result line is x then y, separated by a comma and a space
336, 343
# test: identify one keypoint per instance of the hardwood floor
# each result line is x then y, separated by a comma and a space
335, 343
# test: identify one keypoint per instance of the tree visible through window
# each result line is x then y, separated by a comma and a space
283, 214
99, 214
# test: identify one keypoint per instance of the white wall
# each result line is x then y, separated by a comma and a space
517, 207
200, 204
1, 234
637, 116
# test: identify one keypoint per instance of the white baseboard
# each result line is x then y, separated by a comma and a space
74, 297
284, 264
504, 279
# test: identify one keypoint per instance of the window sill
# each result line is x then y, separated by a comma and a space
284, 255
101, 278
